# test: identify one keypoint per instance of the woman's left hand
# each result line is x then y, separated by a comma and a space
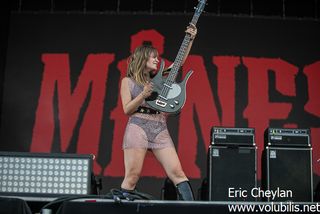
192, 30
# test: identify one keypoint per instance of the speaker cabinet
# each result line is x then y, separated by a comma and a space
287, 172
231, 173
317, 193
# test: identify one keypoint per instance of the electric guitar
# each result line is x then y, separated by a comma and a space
169, 96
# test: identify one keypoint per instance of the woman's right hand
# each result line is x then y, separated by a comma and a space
147, 90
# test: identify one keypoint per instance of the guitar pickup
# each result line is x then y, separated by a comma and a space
161, 103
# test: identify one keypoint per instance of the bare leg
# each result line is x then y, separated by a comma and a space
133, 163
170, 162
169, 159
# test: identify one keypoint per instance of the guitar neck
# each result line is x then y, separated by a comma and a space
181, 53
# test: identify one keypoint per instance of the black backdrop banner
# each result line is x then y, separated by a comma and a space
62, 76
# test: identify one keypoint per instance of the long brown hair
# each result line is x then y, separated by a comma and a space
137, 63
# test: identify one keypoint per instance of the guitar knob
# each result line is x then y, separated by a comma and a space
172, 106
176, 102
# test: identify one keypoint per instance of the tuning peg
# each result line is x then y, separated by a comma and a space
197, 9
205, 3
202, 11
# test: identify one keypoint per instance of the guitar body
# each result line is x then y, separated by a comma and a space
175, 98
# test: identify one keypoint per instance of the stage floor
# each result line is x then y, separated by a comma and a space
110, 206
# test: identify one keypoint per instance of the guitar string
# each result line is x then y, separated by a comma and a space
170, 79
172, 75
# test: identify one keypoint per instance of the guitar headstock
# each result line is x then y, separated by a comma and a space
199, 8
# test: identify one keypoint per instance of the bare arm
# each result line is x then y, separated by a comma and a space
131, 105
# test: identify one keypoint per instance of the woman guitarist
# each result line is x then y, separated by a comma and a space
147, 128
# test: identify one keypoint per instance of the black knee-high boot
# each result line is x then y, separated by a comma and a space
184, 191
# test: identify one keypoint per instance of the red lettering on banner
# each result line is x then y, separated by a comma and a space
290, 125
199, 101
260, 110
312, 106
56, 76
313, 73
116, 166
226, 87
